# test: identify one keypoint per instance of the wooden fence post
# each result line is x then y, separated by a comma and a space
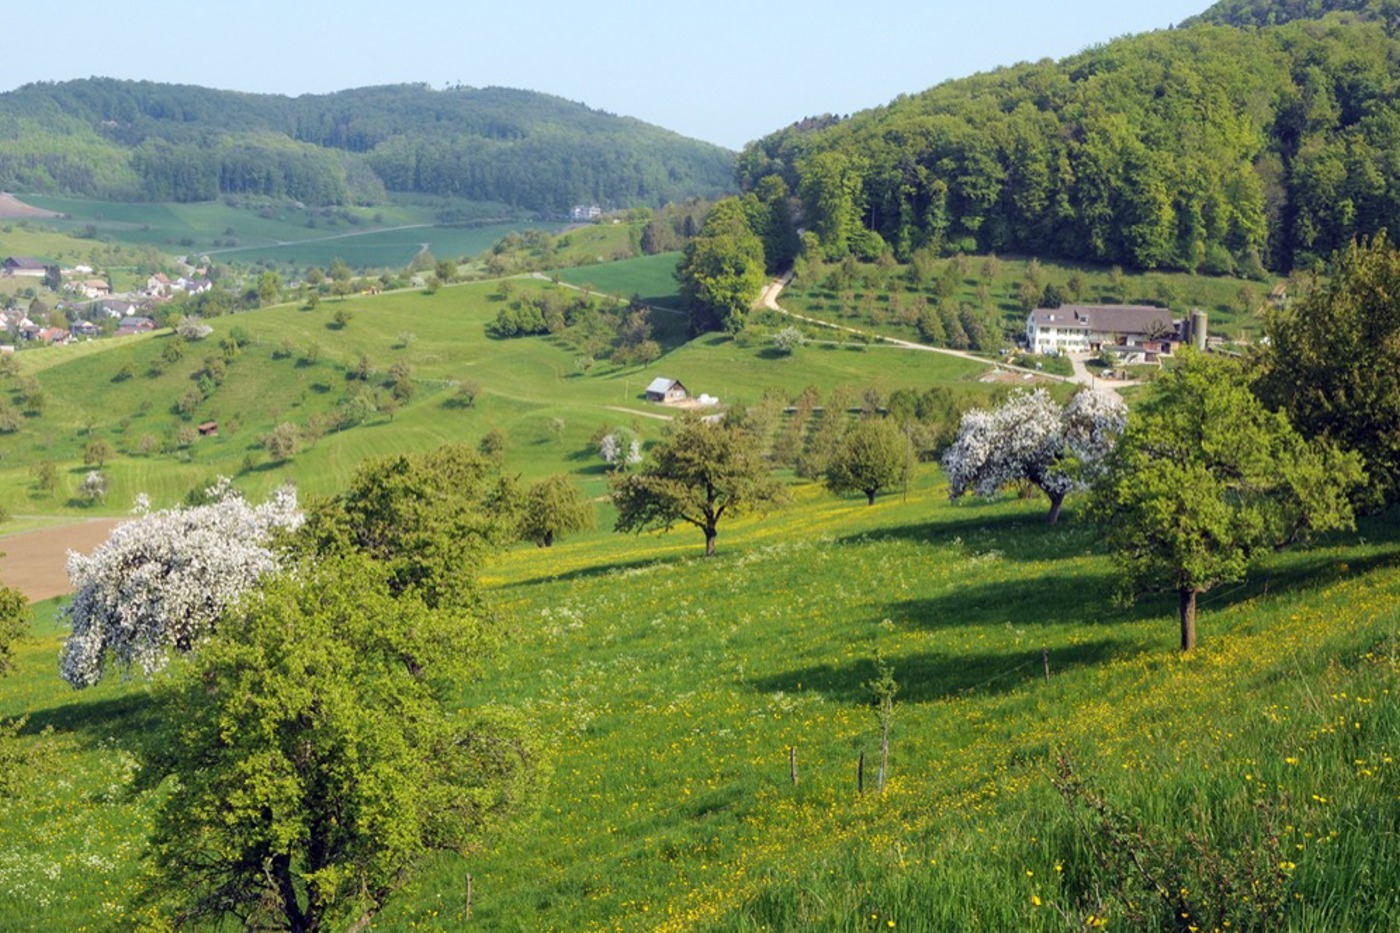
792, 763
469, 897
860, 773
1045, 660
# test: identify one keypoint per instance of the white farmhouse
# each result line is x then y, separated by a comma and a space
1087, 328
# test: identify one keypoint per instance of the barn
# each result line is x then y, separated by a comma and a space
666, 391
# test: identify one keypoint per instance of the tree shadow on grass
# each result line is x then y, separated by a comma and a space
130, 717
603, 570
1016, 535
1087, 598
928, 676
1084, 599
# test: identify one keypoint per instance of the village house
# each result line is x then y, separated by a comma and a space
1089, 328
158, 285
85, 329
117, 308
23, 266
666, 391
93, 288
54, 336
585, 212
135, 325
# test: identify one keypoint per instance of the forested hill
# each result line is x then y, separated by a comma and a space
1209, 148
125, 140
1278, 12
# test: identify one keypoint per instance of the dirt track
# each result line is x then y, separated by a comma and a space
11, 208
34, 561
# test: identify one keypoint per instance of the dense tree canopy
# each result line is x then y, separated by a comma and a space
429, 518
1333, 362
316, 761
722, 270
1210, 148
127, 140
554, 507
1205, 478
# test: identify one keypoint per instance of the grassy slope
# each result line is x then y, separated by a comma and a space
671, 687
383, 236
651, 277
526, 383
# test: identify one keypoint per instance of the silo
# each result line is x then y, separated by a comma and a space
1198, 328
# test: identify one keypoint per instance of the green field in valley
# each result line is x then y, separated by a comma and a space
286, 234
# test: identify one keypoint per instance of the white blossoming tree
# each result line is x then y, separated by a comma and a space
161, 581
193, 328
1032, 438
620, 450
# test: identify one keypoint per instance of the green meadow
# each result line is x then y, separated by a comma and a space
1054, 762
286, 234
297, 367
671, 690
652, 278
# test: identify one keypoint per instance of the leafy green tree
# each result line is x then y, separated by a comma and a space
833, 199
305, 792
15, 618
425, 517
45, 475
700, 473
98, 452
283, 441
1205, 478
493, 446
873, 456
553, 508
1333, 362
269, 288
721, 272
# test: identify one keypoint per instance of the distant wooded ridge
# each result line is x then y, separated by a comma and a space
139, 140
1225, 146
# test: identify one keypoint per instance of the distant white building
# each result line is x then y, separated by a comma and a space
583, 212
1087, 328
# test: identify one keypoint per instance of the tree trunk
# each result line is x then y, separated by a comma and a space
298, 921
548, 539
710, 542
1055, 503
1188, 619
870, 495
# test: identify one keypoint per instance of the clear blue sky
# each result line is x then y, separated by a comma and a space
725, 71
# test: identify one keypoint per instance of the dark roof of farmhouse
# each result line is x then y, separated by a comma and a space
1104, 319
23, 262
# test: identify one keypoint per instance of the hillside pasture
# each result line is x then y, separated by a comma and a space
298, 365
671, 689
652, 278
